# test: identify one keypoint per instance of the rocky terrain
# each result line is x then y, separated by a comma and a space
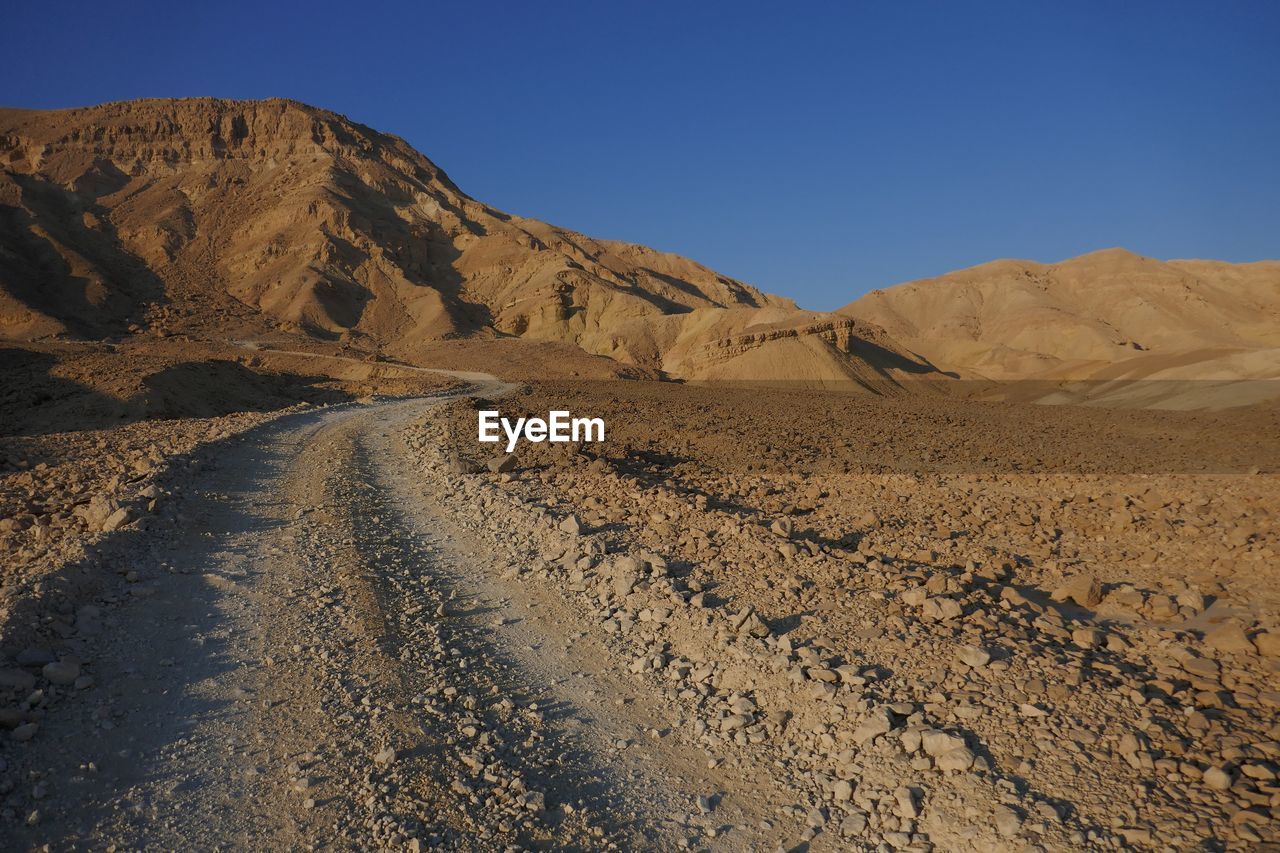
948, 653
839, 586
813, 624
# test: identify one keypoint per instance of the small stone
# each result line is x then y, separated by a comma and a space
876, 723
25, 732
938, 743
504, 464
61, 673
571, 525
116, 520
1229, 637
1008, 822
958, 760
906, 800
1088, 638
1084, 590
941, 609
854, 824
1217, 778
1202, 667
973, 656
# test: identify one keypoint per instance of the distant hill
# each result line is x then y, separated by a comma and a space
1107, 320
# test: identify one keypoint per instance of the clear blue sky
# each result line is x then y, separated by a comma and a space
815, 149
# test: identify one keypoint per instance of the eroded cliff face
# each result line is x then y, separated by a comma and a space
137, 214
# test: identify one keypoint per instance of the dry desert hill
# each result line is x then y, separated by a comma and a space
158, 216
1120, 325
231, 219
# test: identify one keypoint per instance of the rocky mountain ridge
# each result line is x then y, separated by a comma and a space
146, 215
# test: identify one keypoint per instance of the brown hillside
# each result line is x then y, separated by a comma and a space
1108, 317
164, 216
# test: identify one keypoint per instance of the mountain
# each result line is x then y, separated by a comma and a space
164, 216
1107, 318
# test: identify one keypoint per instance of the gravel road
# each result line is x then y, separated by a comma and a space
314, 657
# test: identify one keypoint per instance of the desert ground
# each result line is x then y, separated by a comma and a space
752, 618
984, 562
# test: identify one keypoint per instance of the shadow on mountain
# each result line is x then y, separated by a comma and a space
67, 262
36, 401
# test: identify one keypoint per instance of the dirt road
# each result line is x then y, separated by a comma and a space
313, 656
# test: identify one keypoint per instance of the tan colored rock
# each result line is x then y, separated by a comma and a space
1229, 637
1084, 590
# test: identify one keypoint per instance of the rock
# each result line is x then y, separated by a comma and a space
937, 743
906, 799
386, 756
877, 722
1084, 590
973, 656
829, 676
1136, 835
782, 527
571, 525
959, 760
456, 464
623, 583
1126, 597
1162, 607
1202, 667
99, 508
855, 823
1229, 637
941, 608
61, 673
25, 732
915, 596
842, 791
1217, 779
1088, 638
1192, 600
747, 622
1267, 643
1131, 743
1008, 822
117, 519
504, 464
